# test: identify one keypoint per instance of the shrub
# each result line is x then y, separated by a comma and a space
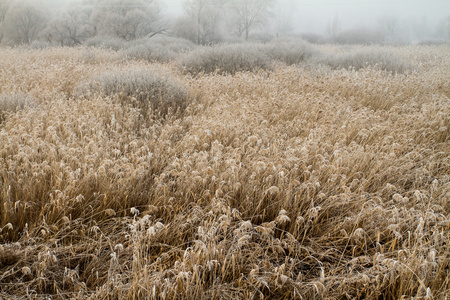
39, 44
149, 52
291, 51
363, 58
312, 38
433, 42
106, 43
358, 36
248, 56
177, 45
148, 92
157, 49
261, 36
11, 103
227, 59
172, 44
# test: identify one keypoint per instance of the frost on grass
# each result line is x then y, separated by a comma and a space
226, 59
157, 49
106, 43
287, 184
363, 58
150, 52
291, 51
149, 92
154, 49
11, 103
229, 59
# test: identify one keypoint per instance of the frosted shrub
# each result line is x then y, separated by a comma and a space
291, 51
154, 49
106, 43
10, 103
150, 52
157, 49
39, 44
227, 59
177, 45
248, 57
433, 42
141, 89
358, 36
359, 59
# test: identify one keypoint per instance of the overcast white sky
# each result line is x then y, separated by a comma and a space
313, 15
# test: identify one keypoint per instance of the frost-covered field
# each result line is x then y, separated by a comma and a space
264, 176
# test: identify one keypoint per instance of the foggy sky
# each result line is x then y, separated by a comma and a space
314, 15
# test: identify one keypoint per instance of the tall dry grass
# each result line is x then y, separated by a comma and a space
297, 183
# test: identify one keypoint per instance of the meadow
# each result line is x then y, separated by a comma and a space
235, 172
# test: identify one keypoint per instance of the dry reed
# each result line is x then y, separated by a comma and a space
298, 183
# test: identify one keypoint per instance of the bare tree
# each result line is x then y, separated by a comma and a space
249, 14
134, 24
24, 22
129, 19
389, 26
421, 28
71, 26
4, 7
185, 28
284, 11
334, 26
447, 27
204, 17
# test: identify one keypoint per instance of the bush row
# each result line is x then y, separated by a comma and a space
362, 58
237, 57
155, 49
250, 57
232, 58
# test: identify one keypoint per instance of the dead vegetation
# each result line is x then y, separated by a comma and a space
11, 103
295, 183
150, 93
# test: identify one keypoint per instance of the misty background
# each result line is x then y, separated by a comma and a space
69, 22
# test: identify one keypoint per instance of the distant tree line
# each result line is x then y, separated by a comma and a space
203, 22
